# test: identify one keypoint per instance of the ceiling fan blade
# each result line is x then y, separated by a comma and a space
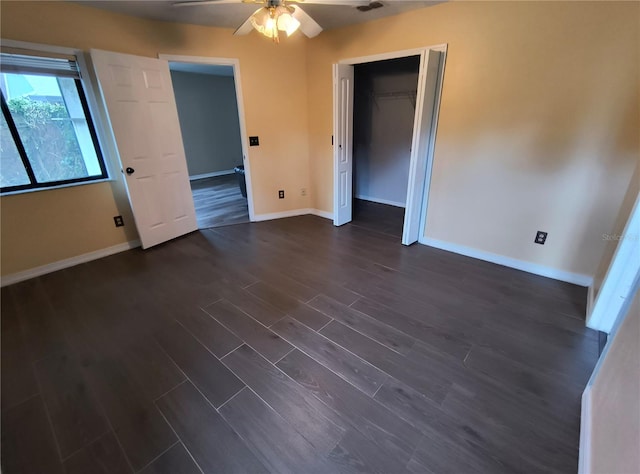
246, 27
193, 3
308, 25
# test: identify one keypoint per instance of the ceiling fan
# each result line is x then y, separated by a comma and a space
275, 16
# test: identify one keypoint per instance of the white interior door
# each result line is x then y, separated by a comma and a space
141, 106
423, 127
342, 143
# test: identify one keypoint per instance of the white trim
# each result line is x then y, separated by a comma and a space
590, 301
432, 139
210, 175
380, 201
321, 213
66, 263
45, 48
292, 213
443, 48
60, 186
584, 453
282, 215
575, 278
393, 54
618, 282
235, 63
98, 113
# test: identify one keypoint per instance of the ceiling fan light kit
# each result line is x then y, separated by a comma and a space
270, 20
277, 15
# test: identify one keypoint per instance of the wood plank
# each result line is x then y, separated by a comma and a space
175, 461
391, 434
18, 378
136, 422
444, 337
355, 453
512, 406
75, 414
218, 201
147, 363
210, 440
258, 309
42, 335
103, 456
306, 414
276, 443
354, 370
211, 334
260, 338
212, 378
28, 444
294, 308
370, 327
411, 370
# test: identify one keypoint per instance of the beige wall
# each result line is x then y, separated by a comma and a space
615, 402
538, 126
43, 227
538, 123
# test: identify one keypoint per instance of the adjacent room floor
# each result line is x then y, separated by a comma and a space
378, 217
218, 201
292, 346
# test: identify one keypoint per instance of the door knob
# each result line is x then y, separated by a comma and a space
130, 170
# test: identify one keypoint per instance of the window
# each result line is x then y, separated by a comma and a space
47, 137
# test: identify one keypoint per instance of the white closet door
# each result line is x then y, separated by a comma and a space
343, 142
422, 136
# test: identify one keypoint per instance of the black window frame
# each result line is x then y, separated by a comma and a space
34, 184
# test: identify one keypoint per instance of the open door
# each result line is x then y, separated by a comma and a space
141, 106
342, 142
421, 144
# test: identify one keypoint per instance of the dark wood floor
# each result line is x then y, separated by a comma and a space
218, 202
292, 346
378, 217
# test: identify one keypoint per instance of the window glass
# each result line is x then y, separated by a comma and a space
51, 123
12, 172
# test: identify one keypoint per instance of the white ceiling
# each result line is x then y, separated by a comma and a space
233, 15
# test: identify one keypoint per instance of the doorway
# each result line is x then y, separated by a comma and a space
427, 100
208, 113
383, 114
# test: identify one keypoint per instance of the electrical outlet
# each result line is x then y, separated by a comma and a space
303, 191
541, 237
281, 194
254, 141
118, 220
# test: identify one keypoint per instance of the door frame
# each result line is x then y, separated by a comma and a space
235, 63
442, 48
622, 275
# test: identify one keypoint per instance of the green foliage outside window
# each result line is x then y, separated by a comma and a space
49, 139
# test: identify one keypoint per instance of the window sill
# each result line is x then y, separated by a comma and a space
61, 186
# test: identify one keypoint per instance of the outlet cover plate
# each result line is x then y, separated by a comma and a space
541, 237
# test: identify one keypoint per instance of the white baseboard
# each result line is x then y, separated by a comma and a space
292, 213
210, 175
66, 263
575, 278
281, 215
320, 213
382, 201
